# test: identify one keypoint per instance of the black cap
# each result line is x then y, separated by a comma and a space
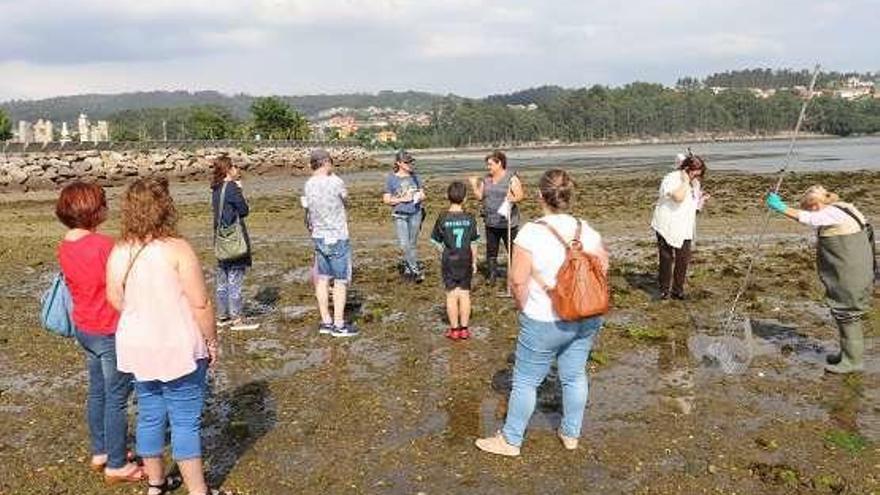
318, 156
404, 156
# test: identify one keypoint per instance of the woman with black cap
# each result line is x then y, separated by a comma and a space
405, 194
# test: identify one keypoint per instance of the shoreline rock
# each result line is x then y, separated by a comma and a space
37, 170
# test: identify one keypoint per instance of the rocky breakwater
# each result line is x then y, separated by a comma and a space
34, 170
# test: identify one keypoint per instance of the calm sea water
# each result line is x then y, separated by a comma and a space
814, 155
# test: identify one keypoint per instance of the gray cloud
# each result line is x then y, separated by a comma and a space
469, 47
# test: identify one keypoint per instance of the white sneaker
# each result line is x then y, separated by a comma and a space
497, 445
344, 331
570, 443
243, 324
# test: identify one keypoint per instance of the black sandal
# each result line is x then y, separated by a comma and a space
168, 485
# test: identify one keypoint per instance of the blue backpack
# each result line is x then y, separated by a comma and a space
56, 314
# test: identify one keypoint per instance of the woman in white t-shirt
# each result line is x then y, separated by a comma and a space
542, 335
674, 222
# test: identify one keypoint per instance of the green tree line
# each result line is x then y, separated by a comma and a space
770, 78
270, 118
104, 106
638, 110
5, 126
597, 113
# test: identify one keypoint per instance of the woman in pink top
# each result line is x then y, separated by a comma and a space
166, 335
83, 253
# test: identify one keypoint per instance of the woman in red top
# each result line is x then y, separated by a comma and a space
83, 254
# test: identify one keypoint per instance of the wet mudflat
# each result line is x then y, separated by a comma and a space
396, 409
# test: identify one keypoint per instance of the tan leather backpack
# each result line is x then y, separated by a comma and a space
581, 283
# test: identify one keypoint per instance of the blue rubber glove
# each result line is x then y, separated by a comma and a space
775, 203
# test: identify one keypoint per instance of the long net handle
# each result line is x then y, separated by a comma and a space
747, 278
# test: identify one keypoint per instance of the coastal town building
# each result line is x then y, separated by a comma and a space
88, 132
531, 107
344, 125
24, 133
854, 88
346, 121
763, 93
65, 134
43, 131
386, 136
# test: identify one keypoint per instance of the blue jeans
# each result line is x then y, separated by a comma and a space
333, 261
407, 228
179, 401
108, 398
538, 343
229, 282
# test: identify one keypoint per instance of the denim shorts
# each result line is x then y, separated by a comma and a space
178, 402
333, 261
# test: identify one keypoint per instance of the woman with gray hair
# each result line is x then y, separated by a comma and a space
846, 266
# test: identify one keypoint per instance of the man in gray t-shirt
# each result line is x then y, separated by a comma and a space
324, 198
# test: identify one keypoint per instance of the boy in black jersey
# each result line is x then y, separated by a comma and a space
456, 232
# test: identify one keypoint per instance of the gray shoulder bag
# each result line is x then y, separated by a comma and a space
229, 241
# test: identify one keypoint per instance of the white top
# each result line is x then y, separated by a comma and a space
676, 221
833, 221
548, 254
325, 199
157, 337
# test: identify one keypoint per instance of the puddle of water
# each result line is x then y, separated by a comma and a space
294, 312
302, 275
10, 409
285, 365
395, 317
869, 418
624, 387
370, 359
32, 284
264, 345
42, 385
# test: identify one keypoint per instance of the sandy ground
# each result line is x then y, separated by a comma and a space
396, 409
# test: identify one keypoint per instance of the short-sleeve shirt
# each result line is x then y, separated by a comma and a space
84, 265
676, 221
398, 187
455, 231
324, 197
548, 254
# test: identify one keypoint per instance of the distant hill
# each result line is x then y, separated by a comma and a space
101, 106
777, 78
540, 96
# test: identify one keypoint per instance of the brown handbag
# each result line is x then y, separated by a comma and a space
581, 289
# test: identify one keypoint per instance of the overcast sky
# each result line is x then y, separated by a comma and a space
468, 47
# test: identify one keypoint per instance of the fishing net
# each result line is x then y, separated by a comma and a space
730, 353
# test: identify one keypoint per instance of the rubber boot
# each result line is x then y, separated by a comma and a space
834, 359
852, 348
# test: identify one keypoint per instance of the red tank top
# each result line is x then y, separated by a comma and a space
84, 264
